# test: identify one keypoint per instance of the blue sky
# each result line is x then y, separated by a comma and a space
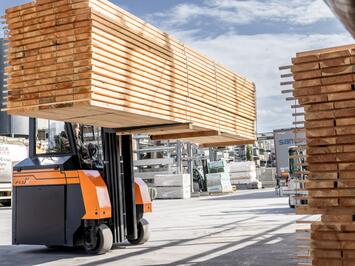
251, 37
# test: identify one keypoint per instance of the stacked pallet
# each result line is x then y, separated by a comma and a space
91, 62
219, 183
242, 172
324, 85
173, 186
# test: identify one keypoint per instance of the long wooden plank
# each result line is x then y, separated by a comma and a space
60, 58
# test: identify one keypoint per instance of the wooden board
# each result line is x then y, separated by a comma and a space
92, 62
324, 86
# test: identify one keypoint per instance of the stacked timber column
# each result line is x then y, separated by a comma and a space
324, 86
49, 55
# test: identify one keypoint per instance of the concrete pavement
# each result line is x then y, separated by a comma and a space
246, 228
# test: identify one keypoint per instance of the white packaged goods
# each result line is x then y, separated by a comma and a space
218, 182
243, 181
173, 186
243, 175
220, 188
173, 192
242, 167
267, 176
218, 166
180, 180
251, 185
217, 178
10, 154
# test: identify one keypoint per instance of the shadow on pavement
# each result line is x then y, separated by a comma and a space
34, 255
263, 248
267, 252
256, 211
230, 244
245, 196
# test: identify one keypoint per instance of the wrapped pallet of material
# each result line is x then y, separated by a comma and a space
243, 175
219, 182
91, 62
220, 166
173, 192
242, 172
235, 167
172, 186
266, 175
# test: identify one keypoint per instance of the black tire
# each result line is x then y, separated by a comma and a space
104, 241
289, 203
143, 233
6, 202
153, 193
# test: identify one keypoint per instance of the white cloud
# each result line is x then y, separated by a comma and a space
258, 57
294, 12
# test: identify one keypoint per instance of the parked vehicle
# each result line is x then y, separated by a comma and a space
295, 185
10, 154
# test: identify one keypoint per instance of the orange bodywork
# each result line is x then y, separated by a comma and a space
93, 188
95, 195
40, 178
142, 194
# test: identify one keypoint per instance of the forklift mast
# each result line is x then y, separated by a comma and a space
118, 175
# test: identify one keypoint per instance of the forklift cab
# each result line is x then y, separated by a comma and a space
77, 188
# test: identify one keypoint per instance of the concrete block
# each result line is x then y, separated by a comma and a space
174, 192
178, 180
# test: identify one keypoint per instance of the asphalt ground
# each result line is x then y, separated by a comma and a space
252, 227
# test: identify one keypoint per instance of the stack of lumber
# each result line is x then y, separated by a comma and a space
91, 62
324, 85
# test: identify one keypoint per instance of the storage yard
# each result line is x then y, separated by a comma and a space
199, 231
120, 144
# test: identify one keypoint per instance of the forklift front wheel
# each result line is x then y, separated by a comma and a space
290, 204
104, 241
143, 233
6, 203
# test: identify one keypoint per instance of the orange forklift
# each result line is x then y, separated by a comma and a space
77, 189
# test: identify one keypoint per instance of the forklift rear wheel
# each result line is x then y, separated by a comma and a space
289, 203
143, 233
104, 241
6, 203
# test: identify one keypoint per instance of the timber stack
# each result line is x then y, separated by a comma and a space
324, 85
91, 62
